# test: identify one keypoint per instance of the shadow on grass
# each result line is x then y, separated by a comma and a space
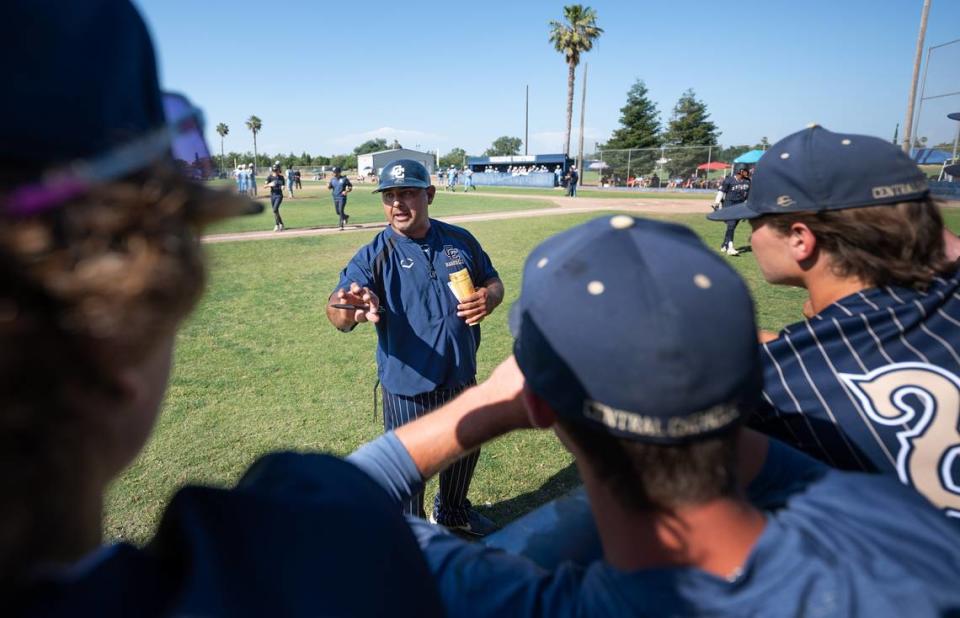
555, 486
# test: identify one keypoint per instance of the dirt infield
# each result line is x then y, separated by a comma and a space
566, 205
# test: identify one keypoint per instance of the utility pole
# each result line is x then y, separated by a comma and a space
908, 120
526, 124
583, 106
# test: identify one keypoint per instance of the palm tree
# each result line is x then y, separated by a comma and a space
573, 38
254, 124
222, 131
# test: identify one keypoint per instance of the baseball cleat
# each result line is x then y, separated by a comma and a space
477, 525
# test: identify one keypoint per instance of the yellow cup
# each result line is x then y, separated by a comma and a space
461, 284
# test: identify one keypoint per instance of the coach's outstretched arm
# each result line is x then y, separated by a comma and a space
347, 319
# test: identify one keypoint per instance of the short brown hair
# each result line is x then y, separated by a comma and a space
898, 244
645, 476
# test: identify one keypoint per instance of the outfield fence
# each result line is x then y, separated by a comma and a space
656, 168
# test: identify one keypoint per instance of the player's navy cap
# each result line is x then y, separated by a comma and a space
85, 79
635, 328
816, 169
403, 173
67, 130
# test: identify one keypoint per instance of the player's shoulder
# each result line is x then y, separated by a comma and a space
873, 505
378, 245
450, 229
454, 232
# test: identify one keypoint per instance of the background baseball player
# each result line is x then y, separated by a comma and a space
734, 190
427, 340
339, 186
275, 184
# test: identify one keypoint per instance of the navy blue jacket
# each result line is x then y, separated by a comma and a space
301, 535
422, 344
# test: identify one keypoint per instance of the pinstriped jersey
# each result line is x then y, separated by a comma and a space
873, 383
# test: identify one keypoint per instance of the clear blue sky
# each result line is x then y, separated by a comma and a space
453, 74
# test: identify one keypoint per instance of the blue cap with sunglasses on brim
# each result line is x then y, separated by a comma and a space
636, 329
816, 169
88, 106
403, 173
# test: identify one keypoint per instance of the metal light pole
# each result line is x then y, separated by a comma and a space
908, 120
526, 124
583, 105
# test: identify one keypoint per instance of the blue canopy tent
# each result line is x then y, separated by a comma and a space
749, 157
929, 156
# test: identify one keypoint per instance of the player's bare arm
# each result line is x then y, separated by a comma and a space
496, 407
355, 294
479, 415
482, 302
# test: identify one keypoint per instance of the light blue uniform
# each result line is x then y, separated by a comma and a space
843, 544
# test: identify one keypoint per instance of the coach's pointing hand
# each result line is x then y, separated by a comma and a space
357, 295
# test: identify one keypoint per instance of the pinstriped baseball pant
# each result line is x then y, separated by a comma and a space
451, 504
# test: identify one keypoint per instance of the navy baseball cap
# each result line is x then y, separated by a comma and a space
816, 169
403, 173
67, 130
85, 78
636, 329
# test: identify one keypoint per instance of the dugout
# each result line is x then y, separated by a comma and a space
519, 170
376, 160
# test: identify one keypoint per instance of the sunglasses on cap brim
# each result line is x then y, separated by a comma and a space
180, 139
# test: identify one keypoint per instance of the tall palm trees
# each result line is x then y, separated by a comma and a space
222, 131
573, 38
254, 124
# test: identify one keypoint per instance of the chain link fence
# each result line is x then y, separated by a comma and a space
936, 140
665, 167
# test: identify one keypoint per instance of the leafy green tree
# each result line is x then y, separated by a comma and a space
288, 160
371, 145
639, 128
255, 125
344, 161
455, 157
222, 131
689, 125
573, 37
396, 145
504, 145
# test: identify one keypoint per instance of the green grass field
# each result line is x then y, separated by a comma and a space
259, 368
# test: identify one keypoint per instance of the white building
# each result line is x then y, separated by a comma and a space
373, 162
